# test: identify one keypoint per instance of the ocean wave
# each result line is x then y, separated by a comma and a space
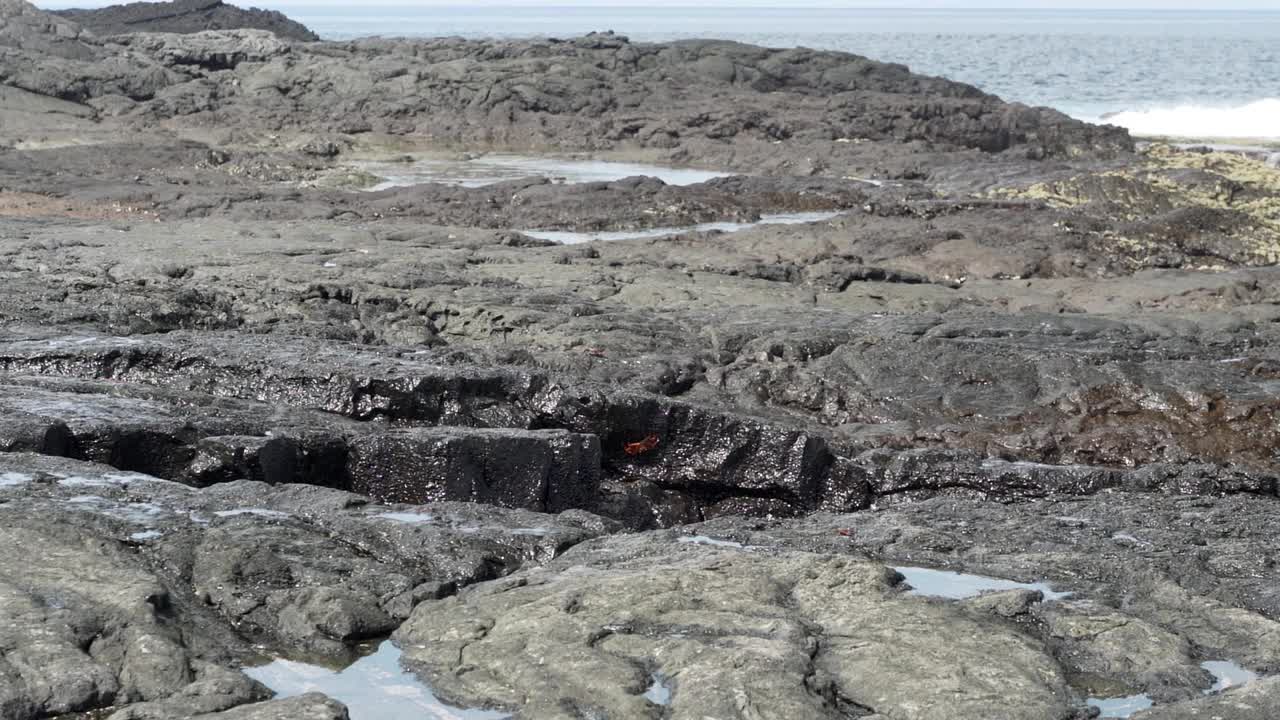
1257, 119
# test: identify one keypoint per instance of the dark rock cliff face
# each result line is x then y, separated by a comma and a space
184, 16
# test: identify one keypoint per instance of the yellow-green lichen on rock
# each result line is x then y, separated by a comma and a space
1198, 203
1247, 184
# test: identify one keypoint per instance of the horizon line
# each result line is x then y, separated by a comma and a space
760, 5
747, 4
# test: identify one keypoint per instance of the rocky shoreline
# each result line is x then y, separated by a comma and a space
254, 410
184, 16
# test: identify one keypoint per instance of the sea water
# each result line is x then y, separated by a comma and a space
1187, 73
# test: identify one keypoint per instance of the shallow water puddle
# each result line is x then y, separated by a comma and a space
1226, 675
1120, 707
491, 169
105, 479
1073, 520
79, 340
413, 518
138, 513
1126, 537
659, 693
531, 532
373, 688
13, 479
260, 512
86, 499
958, 586
409, 518
704, 540
573, 238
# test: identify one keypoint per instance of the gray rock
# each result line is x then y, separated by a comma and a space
1019, 350
1156, 582
184, 16
215, 689
506, 97
210, 49
126, 590
737, 634
312, 706
1255, 701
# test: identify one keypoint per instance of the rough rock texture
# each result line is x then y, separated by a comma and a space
699, 101
133, 590
736, 634
1016, 346
1144, 610
706, 461
746, 618
1257, 701
185, 16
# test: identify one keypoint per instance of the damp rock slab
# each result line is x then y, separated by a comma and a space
312, 706
1143, 611
736, 634
127, 590
1256, 701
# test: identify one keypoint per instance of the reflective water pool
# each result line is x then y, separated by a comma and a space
573, 238
490, 169
373, 688
958, 586
1226, 675
1120, 707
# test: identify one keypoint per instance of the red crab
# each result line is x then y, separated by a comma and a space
639, 448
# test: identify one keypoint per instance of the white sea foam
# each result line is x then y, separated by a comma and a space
1257, 119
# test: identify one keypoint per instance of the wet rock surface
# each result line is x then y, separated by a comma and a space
251, 409
768, 599
1258, 700
136, 591
735, 632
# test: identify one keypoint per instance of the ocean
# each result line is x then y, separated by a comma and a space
1203, 74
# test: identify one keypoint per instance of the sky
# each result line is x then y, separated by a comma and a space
1025, 4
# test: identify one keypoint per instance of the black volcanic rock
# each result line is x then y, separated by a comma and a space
1008, 343
760, 110
185, 16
